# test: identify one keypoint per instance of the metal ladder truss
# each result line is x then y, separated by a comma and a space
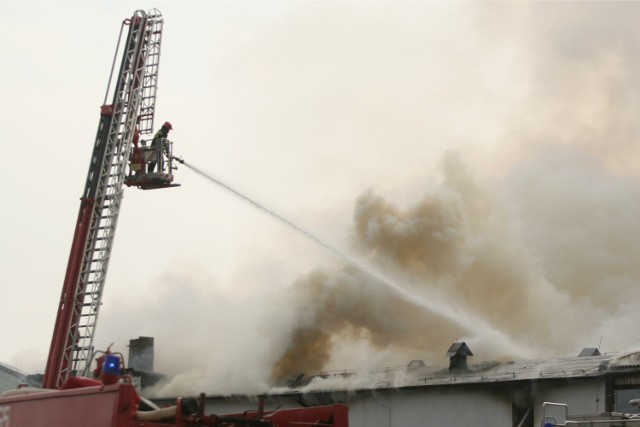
133, 105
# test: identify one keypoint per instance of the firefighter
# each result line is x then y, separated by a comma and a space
157, 141
137, 159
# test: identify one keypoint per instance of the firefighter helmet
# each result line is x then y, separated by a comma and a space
167, 125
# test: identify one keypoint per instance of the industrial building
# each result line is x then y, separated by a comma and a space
593, 386
461, 393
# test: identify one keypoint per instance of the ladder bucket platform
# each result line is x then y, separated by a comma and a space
150, 181
151, 167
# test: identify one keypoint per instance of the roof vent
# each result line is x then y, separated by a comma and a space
141, 354
457, 355
418, 363
589, 351
296, 382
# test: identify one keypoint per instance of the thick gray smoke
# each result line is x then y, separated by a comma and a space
528, 234
549, 255
455, 245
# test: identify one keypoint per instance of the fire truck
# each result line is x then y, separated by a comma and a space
72, 395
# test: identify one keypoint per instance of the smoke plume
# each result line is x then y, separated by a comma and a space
568, 261
523, 243
546, 251
455, 246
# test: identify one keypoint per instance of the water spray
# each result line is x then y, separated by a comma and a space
460, 319
279, 217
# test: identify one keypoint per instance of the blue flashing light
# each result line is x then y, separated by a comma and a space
111, 365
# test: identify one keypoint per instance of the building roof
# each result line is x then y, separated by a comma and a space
10, 377
626, 360
492, 372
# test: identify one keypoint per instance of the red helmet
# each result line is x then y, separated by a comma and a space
167, 125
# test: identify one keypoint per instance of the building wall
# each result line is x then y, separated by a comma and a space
478, 407
8, 381
582, 397
460, 406
432, 408
10, 378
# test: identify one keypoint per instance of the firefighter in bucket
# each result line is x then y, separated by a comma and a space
144, 161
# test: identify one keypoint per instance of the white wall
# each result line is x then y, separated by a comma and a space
489, 406
583, 397
404, 408
432, 408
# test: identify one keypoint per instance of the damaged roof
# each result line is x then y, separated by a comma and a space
626, 360
420, 375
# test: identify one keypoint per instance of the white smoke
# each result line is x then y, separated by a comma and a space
529, 231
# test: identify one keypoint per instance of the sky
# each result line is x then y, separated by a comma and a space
473, 164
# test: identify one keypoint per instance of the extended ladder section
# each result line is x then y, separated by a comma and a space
150, 78
133, 105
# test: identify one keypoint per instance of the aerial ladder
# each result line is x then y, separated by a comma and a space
70, 396
130, 114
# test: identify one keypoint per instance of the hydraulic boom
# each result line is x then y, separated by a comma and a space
68, 397
131, 112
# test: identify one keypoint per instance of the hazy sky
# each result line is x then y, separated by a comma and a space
482, 156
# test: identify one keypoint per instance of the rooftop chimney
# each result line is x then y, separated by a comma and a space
457, 355
141, 354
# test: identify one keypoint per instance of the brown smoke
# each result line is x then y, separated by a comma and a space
349, 304
454, 242
530, 234
547, 252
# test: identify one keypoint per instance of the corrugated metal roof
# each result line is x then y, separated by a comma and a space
626, 360
476, 374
